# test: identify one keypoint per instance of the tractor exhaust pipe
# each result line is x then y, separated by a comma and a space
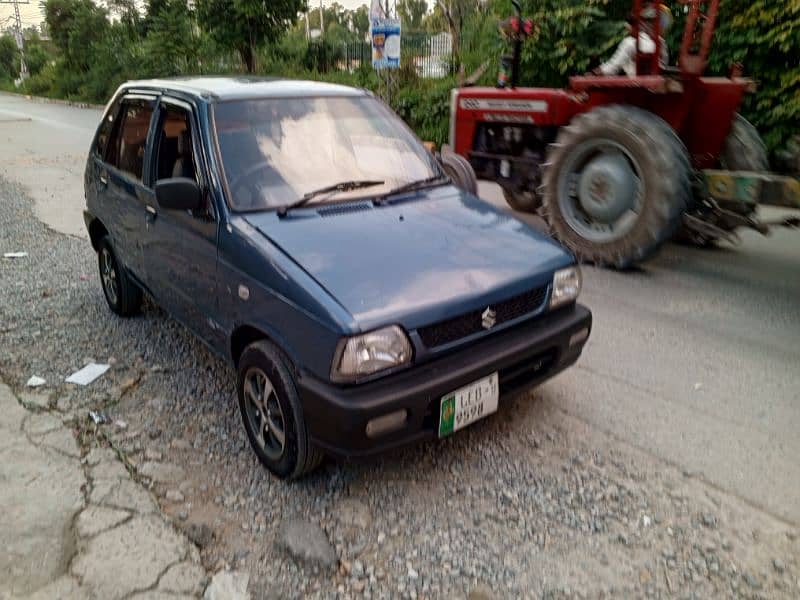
517, 49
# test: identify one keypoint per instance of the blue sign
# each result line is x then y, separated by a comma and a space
385, 36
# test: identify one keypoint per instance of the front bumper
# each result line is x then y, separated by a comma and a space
524, 356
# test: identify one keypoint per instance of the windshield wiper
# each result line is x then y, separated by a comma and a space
344, 186
414, 185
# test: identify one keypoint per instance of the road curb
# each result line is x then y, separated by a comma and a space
45, 100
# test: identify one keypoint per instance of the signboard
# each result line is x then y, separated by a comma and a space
384, 34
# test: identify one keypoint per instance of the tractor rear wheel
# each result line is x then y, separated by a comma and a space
616, 183
743, 150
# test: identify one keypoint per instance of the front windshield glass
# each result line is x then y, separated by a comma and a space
276, 150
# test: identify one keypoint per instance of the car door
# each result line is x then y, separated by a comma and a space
180, 249
120, 179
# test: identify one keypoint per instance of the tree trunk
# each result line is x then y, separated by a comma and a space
248, 58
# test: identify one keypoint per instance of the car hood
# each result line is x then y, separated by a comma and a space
415, 260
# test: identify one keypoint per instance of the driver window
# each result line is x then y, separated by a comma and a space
175, 153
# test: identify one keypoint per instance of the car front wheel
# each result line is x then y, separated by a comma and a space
271, 412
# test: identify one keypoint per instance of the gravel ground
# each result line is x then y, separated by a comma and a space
528, 503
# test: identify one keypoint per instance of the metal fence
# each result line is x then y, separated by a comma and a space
430, 55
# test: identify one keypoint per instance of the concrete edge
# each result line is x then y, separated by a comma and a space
45, 100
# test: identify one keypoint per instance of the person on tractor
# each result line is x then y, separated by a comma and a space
624, 59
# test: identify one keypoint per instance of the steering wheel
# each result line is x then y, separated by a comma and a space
248, 173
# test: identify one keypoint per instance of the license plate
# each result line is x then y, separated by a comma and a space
468, 404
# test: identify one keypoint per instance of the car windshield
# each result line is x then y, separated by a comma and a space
276, 150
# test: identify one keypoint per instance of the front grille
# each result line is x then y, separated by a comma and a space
445, 332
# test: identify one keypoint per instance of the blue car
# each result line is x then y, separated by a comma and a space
303, 233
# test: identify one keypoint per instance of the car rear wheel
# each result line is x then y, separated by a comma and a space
123, 296
272, 414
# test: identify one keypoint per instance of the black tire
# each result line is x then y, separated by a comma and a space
522, 200
298, 455
459, 170
123, 296
659, 160
743, 150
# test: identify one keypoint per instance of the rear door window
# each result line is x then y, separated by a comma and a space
127, 146
105, 130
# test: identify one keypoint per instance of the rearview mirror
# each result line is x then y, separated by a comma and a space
179, 193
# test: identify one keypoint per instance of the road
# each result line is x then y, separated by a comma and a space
694, 358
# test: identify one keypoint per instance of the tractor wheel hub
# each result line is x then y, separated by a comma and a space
607, 187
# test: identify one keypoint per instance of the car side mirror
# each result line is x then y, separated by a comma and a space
179, 193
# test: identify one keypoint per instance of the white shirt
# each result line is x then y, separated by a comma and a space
624, 58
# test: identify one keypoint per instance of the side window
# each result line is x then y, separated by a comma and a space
128, 142
105, 130
175, 155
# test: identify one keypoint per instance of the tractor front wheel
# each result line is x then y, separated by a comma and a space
522, 200
616, 183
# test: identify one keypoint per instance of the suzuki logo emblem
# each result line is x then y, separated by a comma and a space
488, 318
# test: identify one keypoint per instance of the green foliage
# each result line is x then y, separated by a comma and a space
411, 13
9, 58
170, 45
37, 54
765, 37
246, 25
426, 108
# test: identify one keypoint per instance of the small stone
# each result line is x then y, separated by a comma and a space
645, 576
481, 592
228, 585
358, 569
381, 537
727, 546
183, 515
306, 543
152, 455
778, 565
751, 581
709, 520
200, 534
359, 586
174, 496
412, 573
181, 444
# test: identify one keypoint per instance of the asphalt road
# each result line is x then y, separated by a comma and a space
694, 358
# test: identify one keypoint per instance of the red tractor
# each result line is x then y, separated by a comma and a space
617, 165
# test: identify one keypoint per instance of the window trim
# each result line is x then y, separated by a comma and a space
152, 99
194, 125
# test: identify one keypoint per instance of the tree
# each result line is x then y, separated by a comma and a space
9, 57
455, 13
411, 13
246, 25
75, 26
361, 21
169, 48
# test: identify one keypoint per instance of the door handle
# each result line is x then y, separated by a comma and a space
151, 212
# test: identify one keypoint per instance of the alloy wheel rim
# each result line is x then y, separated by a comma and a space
264, 413
108, 272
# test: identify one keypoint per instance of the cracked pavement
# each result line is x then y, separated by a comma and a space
78, 526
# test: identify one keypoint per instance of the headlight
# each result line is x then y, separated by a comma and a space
369, 353
566, 286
